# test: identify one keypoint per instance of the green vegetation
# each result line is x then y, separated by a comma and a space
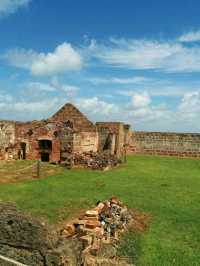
129, 247
17, 171
166, 188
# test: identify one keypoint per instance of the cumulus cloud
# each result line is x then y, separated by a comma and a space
64, 58
141, 100
96, 106
137, 54
28, 109
190, 105
10, 6
140, 111
192, 36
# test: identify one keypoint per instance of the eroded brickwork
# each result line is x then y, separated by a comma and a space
57, 138
113, 136
7, 139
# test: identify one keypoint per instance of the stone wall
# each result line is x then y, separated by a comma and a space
32, 133
33, 242
170, 144
115, 132
7, 138
66, 132
85, 141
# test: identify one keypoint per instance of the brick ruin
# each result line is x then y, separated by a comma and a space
55, 139
91, 239
69, 135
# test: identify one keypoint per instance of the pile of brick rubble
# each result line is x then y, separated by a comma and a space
98, 230
96, 161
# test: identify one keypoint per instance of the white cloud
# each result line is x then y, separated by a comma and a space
35, 91
192, 36
96, 106
171, 56
71, 90
141, 54
116, 80
39, 87
141, 112
190, 105
141, 100
64, 58
28, 110
5, 98
161, 88
22, 58
10, 6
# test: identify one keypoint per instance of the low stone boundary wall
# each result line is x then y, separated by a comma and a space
168, 144
90, 240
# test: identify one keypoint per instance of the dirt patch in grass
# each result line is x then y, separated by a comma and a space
141, 221
18, 171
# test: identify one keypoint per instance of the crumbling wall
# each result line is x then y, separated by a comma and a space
163, 143
118, 134
68, 131
72, 116
7, 139
29, 241
128, 133
33, 132
85, 141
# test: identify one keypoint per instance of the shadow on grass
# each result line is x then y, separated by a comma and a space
130, 246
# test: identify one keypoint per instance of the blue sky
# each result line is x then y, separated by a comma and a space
132, 61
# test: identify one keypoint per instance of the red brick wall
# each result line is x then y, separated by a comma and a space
39, 131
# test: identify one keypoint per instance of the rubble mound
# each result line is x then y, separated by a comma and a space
90, 240
96, 161
99, 230
32, 242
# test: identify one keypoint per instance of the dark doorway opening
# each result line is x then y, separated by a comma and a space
23, 150
45, 144
108, 142
44, 157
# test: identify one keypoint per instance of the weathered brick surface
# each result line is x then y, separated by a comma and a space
7, 139
118, 133
70, 113
67, 132
170, 144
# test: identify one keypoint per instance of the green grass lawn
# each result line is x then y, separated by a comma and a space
166, 188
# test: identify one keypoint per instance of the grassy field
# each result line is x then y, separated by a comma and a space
17, 171
166, 188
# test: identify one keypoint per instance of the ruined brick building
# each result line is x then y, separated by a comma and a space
67, 131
